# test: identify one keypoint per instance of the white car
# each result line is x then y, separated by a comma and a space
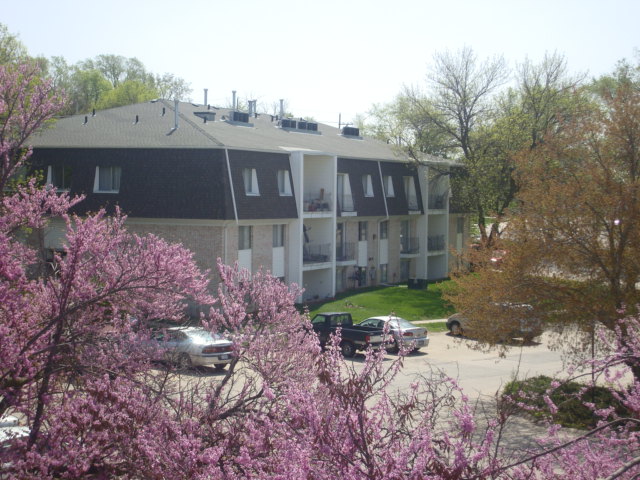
194, 346
404, 332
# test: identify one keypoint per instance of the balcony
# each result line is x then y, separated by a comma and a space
346, 252
317, 203
409, 245
438, 201
435, 242
316, 253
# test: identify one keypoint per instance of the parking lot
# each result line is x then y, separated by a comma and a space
479, 373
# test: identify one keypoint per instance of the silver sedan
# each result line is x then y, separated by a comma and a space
193, 346
405, 333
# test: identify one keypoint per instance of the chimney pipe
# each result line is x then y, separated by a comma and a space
233, 102
206, 91
282, 108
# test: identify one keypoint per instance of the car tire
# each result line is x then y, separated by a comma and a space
220, 366
184, 361
395, 348
348, 349
455, 328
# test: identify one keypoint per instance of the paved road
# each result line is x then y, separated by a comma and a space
479, 373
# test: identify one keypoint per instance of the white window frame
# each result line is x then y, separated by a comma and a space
384, 230
367, 185
242, 229
250, 181
410, 191
114, 170
388, 186
63, 188
284, 183
279, 235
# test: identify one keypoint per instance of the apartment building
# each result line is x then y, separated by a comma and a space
319, 206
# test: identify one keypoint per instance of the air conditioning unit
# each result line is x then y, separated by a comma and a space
351, 131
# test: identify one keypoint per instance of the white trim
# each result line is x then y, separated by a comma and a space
233, 195
367, 185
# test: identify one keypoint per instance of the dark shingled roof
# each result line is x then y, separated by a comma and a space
117, 128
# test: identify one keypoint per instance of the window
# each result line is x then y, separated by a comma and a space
384, 230
383, 273
284, 183
244, 238
362, 231
278, 235
410, 192
250, 179
107, 180
460, 225
367, 185
59, 176
388, 186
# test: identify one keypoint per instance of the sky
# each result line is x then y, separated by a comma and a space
329, 59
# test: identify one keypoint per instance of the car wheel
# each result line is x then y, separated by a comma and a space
348, 349
455, 328
395, 348
220, 366
184, 361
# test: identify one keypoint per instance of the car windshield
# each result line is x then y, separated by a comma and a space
401, 323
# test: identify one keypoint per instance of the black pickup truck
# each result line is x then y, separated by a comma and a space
354, 337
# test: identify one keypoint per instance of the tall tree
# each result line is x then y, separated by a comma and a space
11, 48
127, 93
573, 244
171, 87
459, 105
27, 103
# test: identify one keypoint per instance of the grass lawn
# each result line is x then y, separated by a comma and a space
408, 303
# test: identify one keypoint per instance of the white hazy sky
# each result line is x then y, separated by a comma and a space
325, 57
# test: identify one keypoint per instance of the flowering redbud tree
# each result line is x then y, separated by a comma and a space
77, 371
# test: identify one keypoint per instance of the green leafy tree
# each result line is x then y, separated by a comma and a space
129, 92
172, 87
11, 48
573, 244
88, 87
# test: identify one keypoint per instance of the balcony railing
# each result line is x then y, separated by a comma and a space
409, 245
345, 204
435, 242
317, 203
437, 201
345, 252
316, 253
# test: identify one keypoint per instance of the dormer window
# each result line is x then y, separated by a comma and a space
388, 186
284, 183
367, 185
60, 177
250, 179
107, 180
410, 192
